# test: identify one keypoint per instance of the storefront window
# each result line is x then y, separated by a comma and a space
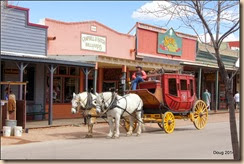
62, 70
73, 71
71, 85
57, 90
64, 86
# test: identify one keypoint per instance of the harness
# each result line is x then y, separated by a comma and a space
88, 106
113, 104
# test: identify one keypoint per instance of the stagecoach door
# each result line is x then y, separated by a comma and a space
185, 94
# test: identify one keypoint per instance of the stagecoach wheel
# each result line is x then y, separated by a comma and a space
168, 123
200, 114
127, 125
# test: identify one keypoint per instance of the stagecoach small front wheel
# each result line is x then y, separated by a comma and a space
200, 114
168, 122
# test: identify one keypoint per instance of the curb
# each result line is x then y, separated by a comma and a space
102, 121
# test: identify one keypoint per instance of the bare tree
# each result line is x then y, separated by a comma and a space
215, 19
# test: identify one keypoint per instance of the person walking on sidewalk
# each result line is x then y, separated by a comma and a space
138, 76
207, 98
237, 100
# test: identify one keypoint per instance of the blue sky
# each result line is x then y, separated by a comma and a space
118, 15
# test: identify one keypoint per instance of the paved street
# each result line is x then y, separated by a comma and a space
184, 143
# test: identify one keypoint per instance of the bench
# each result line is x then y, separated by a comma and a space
35, 110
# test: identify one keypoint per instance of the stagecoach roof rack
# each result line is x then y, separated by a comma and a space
188, 72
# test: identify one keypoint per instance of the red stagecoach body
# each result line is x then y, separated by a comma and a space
176, 92
171, 96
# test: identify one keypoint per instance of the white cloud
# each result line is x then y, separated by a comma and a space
231, 37
41, 21
158, 10
153, 7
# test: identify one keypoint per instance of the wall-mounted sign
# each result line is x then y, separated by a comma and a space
93, 28
169, 43
11, 71
93, 43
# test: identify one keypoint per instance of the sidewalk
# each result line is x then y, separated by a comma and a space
80, 121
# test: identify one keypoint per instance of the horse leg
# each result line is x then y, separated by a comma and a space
117, 121
138, 116
111, 129
130, 131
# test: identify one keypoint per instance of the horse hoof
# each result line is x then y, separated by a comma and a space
115, 137
88, 136
128, 134
138, 134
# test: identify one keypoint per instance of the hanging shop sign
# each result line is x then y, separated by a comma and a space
169, 43
11, 71
93, 42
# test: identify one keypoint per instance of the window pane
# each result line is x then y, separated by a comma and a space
57, 90
191, 85
73, 71
62, 70
71, 85
183, 84
172, 87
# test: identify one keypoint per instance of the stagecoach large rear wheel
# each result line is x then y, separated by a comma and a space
168, 122
200, 114
126, 124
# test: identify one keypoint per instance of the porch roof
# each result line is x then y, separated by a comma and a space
43, 59
111, 62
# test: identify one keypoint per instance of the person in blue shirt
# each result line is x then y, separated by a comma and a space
207, 98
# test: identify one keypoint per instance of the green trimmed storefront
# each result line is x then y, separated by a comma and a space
208, 77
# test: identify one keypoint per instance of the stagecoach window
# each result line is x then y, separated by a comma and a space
191, 85
172, 87
183, 84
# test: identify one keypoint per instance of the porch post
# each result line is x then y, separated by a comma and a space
50, 112
95, 79
21, 67
81, 80
217, 91
100, 80
123, 79
199, 82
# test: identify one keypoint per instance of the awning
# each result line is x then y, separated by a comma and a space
43, 59
111, 62
206, 65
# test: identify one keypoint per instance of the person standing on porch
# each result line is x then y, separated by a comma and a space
207, 98
237, 100
138, 76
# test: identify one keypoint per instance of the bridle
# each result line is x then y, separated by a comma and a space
88, 104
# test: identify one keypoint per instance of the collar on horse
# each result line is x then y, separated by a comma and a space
112, 104
89, 104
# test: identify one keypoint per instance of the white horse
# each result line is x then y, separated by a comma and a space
86, 101
115, 107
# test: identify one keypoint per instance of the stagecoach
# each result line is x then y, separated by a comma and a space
170, 96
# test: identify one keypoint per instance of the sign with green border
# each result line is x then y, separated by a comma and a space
169, 43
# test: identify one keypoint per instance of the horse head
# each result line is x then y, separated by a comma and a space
84, 100
103, 101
